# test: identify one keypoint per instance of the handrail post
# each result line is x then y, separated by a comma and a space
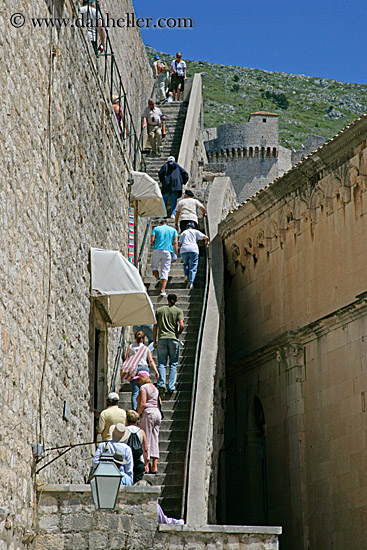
118, 358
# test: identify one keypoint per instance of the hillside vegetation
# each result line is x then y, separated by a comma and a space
306, 105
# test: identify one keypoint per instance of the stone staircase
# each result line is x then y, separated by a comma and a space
175, 113
176, 409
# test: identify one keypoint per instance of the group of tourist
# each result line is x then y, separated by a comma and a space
119, 429
169, 86
152, 117
132, 437
165, 240
128, 443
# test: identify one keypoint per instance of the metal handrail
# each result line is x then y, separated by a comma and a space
118, 358
112, 77
196, 366
143, 244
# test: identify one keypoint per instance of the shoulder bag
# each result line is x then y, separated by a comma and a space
130, 365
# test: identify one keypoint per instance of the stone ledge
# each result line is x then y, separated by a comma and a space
85, 488
225, 529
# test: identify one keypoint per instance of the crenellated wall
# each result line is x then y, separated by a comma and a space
250, 151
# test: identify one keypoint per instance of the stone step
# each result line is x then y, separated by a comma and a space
165, 434
195, 295
176, 408
178, 274
167, 457
171, 492
172, 507
163, 478
174, 445
174, 414
189, 310
182, 285
169, 467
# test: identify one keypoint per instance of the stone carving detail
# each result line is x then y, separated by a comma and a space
272, 236
301, 212
234, 259
346, 176
294, 355
260, 239
316, 203
248, 247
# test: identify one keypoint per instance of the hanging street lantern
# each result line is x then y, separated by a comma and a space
105, 483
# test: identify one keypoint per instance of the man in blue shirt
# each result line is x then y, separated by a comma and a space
165, 246
119, 435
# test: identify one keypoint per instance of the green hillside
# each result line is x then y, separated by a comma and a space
306, 105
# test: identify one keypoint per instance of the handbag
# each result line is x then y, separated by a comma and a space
130, 365
160, 407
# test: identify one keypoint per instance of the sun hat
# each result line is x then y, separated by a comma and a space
119, 458
119, 433
142, 373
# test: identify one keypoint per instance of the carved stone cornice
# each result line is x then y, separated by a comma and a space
288, 346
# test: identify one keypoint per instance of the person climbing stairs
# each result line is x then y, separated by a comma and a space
174, 428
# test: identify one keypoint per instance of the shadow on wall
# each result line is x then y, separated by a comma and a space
242, 485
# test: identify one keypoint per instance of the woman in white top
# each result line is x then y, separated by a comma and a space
145, 361
190, 251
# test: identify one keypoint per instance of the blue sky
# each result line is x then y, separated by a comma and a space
320, 38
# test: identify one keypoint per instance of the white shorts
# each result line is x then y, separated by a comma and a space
164, 258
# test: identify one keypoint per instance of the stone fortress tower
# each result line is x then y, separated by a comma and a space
250, 154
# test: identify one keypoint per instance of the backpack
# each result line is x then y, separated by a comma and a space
161, 66
135, 445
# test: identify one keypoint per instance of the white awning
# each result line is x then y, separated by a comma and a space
118, 281
147, 192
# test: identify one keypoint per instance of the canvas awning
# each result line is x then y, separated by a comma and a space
117, 283
146, 191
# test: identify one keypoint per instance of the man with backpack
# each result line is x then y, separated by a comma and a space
152, 119
160, 73
172, 177
138, 444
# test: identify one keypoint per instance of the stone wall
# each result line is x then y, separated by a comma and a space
249, 175
68, 520
295, 346
63, 189
218, 537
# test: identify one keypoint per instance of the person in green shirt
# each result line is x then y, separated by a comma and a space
170, 324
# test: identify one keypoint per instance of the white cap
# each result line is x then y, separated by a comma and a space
113, 396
